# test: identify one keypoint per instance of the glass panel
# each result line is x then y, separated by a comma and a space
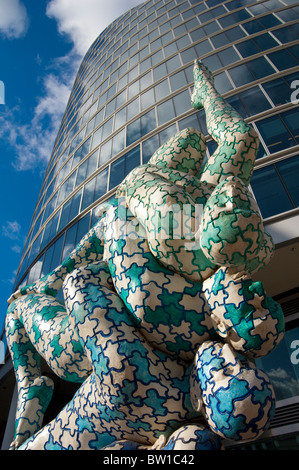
291, 118
88, 194
289, 171
107, 129
82, 170
269, 192
65, 215
132, 160
247, 48
117, 172
222, 83
147, 99
190, 121
255, 101
278, 91
133, 132
241, 75
149, 147
92, 163
101, 184
161, 90
132, 109
148, 122
70, 240
282, 366
82, 228
106, 152
178, 80
165, 112
265, 41
189, 55
47, 263
220, 40
173, 64
97, 138
74, 211
282, 60
118, 142
260, 67
213, 62
182, 102
202, 48
228, 56
160, 72
275, 134
56, 258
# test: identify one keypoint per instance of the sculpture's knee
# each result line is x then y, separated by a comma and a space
232, 229
237, 399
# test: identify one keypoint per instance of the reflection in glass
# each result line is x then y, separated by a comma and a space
269, 192
289, 171
282, 366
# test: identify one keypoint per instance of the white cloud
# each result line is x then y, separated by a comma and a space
33, 142
13, 19
81, 21
84, 20
11, 230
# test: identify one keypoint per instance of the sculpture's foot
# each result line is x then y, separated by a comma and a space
32, 404
203, 81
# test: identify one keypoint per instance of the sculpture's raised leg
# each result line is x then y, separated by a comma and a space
237, 141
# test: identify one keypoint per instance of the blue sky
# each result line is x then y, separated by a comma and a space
41, 45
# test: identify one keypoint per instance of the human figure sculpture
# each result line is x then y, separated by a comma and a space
160, 330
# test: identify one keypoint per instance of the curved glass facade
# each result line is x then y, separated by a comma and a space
133, 91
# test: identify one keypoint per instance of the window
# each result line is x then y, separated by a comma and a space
283, 59
287, 34
122, 167
222, 83
149, 146
148, 122
279, 131
289, 172
279, 90
88, 194
161, 90
269, 192
165, 112
101, 184
254, 101
253, 70
133, 132
182, 102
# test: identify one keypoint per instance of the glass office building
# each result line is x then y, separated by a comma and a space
132, 93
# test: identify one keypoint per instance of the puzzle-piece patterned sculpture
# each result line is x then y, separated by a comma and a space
161, 321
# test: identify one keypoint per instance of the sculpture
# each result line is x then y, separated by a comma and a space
160, 328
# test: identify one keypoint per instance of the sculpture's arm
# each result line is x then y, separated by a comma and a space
89, 250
